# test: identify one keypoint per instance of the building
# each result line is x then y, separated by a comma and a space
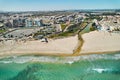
28, 23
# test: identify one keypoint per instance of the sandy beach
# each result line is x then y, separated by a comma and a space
94, 42
101, 41
58, 46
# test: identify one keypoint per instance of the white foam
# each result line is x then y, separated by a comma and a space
70, 60
6, 62
99, 70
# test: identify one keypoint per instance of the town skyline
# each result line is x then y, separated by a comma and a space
51, 5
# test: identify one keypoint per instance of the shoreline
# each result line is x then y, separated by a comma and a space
59, 55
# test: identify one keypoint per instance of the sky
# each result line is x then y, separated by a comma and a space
45, 5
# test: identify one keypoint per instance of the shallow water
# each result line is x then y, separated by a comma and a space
90, 67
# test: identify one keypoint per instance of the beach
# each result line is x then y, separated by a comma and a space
57, 46
100, 41
93, 42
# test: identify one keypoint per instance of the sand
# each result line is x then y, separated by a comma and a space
94, 42
100, 41
58, 46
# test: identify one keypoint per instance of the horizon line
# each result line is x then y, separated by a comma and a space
57, 10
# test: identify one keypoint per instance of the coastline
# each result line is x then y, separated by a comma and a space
57, 54
57, 47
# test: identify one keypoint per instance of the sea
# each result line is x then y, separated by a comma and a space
86, 67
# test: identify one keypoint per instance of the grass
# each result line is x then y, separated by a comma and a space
2, 30
86, 30
72, 30
63, 26
63, 34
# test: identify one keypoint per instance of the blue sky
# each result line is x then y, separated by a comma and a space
34, 5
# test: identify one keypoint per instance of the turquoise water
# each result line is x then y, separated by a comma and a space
91, 67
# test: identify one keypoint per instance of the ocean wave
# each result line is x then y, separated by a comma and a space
69, 60
6, 62
100, 70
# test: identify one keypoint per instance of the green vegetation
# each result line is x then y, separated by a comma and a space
116, 29
63, 26
92, 28
92, 17
86, 30
109, 13
2, 30
38, 33
83, 24
87, 20
71, 31
63, 34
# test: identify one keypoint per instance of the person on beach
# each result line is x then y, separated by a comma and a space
46, 40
